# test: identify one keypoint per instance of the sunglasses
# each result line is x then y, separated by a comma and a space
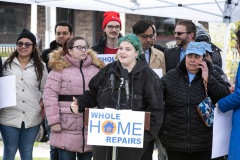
21, 44
180, 33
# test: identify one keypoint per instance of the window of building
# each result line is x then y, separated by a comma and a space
98, 32
164, 28
12, 21
64, 14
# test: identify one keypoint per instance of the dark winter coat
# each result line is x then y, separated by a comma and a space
216, 55
45, 53
160, 47
145, 95
99, 47
172, 58
183, 129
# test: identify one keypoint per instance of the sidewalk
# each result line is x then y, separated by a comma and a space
42, 150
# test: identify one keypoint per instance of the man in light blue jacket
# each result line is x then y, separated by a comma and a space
232, 102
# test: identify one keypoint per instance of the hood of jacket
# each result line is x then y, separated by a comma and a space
140, 65
54, 45
58, 61
99, 47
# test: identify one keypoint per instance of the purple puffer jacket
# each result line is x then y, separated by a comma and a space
66, 79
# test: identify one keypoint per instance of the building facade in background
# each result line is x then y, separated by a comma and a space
15, 16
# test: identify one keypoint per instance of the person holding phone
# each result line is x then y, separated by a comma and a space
183, 133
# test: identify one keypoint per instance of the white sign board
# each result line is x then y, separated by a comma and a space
107, 58
221, 132
158, 72
124, 128
7, 91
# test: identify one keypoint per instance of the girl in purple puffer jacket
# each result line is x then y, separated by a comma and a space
72, 69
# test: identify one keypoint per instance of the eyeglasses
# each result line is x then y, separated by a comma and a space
112, 27
80, 48
21, 44
180, 33
145, 36
63, 33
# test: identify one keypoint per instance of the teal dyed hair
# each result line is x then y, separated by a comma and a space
134, 40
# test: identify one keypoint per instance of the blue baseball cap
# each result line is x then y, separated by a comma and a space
198, 48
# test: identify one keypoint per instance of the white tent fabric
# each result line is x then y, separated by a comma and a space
223, 11
219, 11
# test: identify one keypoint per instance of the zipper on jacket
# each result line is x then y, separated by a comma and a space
188, 120
83, 128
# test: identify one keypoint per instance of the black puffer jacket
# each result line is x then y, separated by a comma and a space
182, 128
45, 53
144, 88
99, 47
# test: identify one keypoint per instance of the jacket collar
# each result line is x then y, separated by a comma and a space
137, 69
54, 45
30, 63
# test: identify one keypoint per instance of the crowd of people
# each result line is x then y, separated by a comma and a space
69, 77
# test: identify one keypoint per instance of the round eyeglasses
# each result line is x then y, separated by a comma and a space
80, 48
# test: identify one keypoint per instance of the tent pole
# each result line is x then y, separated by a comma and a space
114, 152
51, 15
34, 18
226, 42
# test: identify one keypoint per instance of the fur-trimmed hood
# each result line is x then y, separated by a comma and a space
58, 60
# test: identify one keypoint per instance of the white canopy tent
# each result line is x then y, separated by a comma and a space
225, 11
220, 11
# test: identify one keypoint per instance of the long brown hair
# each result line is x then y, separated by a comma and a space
39, 67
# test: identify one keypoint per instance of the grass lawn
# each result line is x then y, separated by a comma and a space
4, 54
36, 144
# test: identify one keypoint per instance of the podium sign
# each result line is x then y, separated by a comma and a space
123, 128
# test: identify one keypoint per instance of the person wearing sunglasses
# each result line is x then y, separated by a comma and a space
145, 32
111, 26
184, 33
20, 124
73, 67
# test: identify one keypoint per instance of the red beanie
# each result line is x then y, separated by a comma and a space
111, 16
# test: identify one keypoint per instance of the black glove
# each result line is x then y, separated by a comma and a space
81, 104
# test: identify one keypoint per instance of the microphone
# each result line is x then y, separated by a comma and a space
111, 74
125, 77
